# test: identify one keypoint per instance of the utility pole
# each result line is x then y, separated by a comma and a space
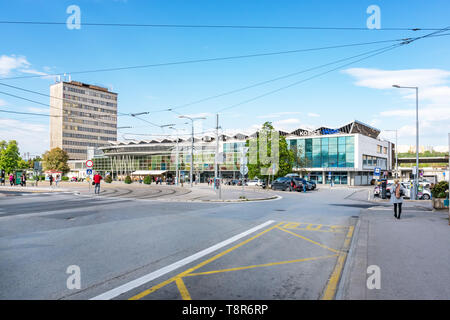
177, 172
192, 144
216, 163
416, 176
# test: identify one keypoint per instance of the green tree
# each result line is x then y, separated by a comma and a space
286, 156
56, 159
147, 179
9, 155
128, 180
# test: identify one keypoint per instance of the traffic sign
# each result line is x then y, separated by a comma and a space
89, 163
89, 172
377, 171
243, 170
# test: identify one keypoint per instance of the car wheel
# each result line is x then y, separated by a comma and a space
426, 197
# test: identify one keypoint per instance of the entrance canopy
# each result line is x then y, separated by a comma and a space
148, 172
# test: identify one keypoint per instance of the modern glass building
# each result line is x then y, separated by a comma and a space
345, 155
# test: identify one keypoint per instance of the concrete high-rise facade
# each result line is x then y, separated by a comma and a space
82, 116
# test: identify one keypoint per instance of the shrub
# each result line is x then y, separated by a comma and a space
108, 179
65, 178
438, 191
128, 180
148, 180
42, 178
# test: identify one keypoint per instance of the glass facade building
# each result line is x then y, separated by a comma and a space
347, 155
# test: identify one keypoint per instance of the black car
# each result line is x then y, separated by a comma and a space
287, 183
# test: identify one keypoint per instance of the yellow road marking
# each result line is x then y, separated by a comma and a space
291, 225
316, 228
183, 290
307, 239
331, 288
184, 273
260, 265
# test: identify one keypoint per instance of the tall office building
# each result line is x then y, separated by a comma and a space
82, 116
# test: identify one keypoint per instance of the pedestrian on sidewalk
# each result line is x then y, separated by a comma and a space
11, 179
50, 178
57, 180
97, 179
397, 198
23, 180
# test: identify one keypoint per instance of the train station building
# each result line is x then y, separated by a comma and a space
346, 155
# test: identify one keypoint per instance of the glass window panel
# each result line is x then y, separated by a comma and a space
332, 153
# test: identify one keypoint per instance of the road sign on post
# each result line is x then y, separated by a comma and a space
377, 171
88, 172
89, 163
243, 170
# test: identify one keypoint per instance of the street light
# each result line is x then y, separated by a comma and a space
176, 168
416, 176
396, 151
192, 146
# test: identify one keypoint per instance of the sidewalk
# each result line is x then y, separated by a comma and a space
413, 254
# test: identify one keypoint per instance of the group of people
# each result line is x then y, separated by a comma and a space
23, 180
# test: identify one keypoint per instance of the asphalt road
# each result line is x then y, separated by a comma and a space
291, 248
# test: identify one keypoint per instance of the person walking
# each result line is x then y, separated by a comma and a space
97, 179
50, 178
11, 179
23, 180
397, 194
57, 180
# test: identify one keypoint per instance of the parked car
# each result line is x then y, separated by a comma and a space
311, 184
287, 183
423, 194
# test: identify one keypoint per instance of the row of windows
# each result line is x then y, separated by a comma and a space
381, 149
93, 101
372, 161
84, 136
79, 143
94, 123
86, 107
91, 93
89, 115
84, 129
324, 152
70, 150
233, 147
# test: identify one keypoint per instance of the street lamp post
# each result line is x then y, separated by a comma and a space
192, 144
416, 176
177, 174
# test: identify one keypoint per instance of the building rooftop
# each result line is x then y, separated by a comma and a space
350, 128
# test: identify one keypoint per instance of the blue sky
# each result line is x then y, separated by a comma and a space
361, 91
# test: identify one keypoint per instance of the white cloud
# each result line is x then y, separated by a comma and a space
313, 115
384, 79
10, 63
434, 100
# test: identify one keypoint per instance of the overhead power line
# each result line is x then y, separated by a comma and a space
207, 59
197, 26
382, 50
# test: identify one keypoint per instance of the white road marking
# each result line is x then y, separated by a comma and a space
158, 273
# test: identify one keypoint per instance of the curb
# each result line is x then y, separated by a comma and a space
346, 269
